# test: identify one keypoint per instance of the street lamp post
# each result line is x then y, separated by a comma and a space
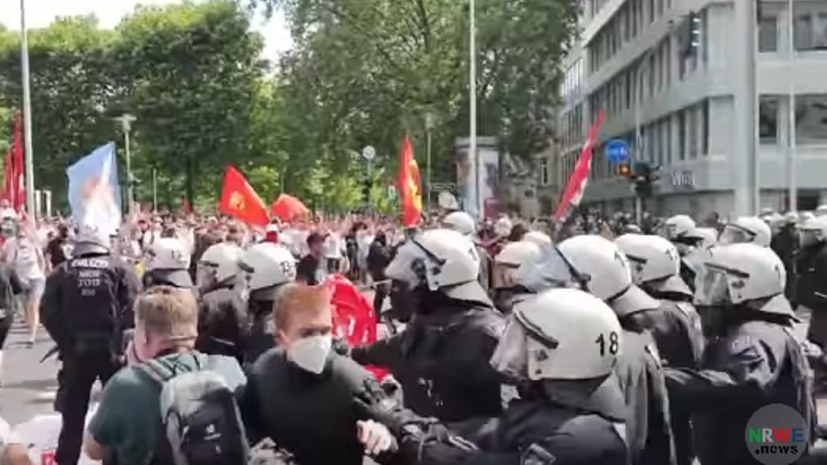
792, 205
472, 110
126, 121
27, 108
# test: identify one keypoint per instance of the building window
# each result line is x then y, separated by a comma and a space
705, 128
768, 119
811, 119
768, 33
810, 30
544, 172
692, 140
681, 135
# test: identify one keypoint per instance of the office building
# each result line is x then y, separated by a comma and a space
688, 94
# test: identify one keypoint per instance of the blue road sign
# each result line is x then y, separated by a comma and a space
617, 151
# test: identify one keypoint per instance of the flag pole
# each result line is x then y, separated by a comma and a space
27, 109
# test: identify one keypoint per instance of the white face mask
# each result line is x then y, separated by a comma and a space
311, 353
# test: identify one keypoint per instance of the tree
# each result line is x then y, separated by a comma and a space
368, 72
70, 90
190, 73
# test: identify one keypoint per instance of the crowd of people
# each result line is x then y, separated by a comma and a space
597, 342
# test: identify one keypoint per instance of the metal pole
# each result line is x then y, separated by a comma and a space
472, 110
745, 157
129, 194
154, 189
791, 156
428, 125
27, 108
638, 155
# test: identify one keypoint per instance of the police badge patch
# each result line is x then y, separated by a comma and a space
537, 455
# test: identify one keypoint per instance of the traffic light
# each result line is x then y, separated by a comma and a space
693, 39
644, 177
624, 171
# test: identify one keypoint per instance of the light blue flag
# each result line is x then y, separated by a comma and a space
94, 190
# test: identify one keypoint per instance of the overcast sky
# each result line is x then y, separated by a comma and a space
39, 13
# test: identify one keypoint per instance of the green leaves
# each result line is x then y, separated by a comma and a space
189, 73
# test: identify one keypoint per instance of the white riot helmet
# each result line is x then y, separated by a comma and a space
460, 222
540, 238
749, 229
679, 227
652, 258
219, 263
440, 260
593, 264
168, 262
512, 256
821, 210
559, 334
740, 273
271, 265
709, 235
814, 231
91, 240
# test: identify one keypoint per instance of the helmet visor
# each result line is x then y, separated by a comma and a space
734, 234
553, 270
714, 288
510, 358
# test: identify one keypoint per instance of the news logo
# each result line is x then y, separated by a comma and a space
777, 435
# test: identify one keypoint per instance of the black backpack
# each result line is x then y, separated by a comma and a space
202, 423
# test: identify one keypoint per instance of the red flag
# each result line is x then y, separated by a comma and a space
580, 177
18, 189
410, 190
287, 208
239, 200
186, 206
354, 318
7, 176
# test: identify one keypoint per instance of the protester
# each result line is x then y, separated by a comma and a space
27, 260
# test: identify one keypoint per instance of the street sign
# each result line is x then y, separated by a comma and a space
617, 151
443, 186
369, 153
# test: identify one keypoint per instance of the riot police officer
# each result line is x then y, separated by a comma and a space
682, 231
676, 326
506, 266
86, 307
441, 359
222, 319
747, 229
596, 265
168, 263
561, 347
752, 358
464, 224
270, 266
811, 283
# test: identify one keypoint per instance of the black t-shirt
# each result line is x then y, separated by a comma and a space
55, 251
307, 270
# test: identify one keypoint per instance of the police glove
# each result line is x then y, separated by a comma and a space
341, 347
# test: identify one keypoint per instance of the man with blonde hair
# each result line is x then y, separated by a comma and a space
162, 358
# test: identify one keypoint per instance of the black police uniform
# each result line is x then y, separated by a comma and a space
534, 430
86, 306
223, 325
311, 416
640, 371
811, 289
676, 327
441, 360
261, 327
756, 362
